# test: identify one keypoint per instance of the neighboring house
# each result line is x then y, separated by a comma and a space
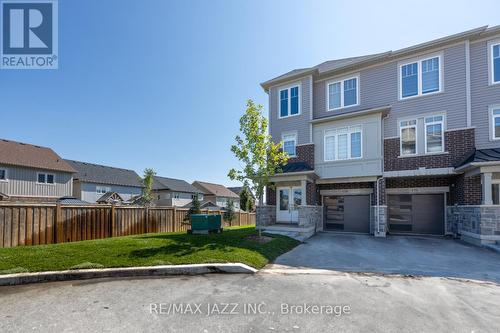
205, 205
173, 192
238, 191
217, 194
404, 141
32, 173
93, 182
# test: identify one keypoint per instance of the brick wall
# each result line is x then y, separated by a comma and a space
347, 186
270, 196
305, 153
458, 144
311, 197
466, 190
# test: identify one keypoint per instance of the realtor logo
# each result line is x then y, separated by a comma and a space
29, 34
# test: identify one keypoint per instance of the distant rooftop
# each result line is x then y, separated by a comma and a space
101, 174
215, 189
172, 184
31, 156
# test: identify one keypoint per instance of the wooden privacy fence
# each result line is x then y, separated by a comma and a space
34, 224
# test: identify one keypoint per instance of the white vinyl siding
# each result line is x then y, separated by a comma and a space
420, 77
343, 93
343, 143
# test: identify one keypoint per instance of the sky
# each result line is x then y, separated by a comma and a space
162, 84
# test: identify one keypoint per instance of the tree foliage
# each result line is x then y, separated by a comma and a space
195, 207
147, 181
229, 214
246, 199
261, 158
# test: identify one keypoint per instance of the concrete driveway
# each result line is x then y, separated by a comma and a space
412, 255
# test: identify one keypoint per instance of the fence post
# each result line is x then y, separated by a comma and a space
174, 219
59, 225
239, 218
113, 221
146, 227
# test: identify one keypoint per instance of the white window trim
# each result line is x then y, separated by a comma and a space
419, 61
106, 189
6, 175
492, 44
46, 174
401, 136
492, 121
333, 132
289, 87
341, 81
294, 139
442, 122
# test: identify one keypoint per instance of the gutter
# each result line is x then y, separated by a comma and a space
352, 114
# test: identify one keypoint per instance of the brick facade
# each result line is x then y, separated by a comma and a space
270, 196
346, 186
466, 190
458, 144
305, 153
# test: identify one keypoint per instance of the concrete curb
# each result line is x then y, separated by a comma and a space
165, 270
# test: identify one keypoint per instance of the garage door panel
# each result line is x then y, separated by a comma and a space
347, 213
418, 213
428, 214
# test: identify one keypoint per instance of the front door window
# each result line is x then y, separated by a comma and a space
289, 199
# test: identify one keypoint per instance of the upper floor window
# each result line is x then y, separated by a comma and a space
289, 143
408, 135
289, 102
434, 140
343, 93
420, 77
343, 143
495, 123
45, 178
102, 189
495, 63
3, 174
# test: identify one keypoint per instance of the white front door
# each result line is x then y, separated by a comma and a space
289, 198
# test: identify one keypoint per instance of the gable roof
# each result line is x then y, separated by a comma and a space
214, 189
31, 156
110, 197
101, 174
172, 184
331, 66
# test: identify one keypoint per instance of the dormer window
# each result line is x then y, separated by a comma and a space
289, 99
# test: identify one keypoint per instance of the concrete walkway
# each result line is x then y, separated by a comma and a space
412, 255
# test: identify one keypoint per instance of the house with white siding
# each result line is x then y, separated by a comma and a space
94, 183
31, 173
174, 192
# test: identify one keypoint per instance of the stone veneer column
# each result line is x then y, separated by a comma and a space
486, 186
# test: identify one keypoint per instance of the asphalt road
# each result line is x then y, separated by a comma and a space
263, 302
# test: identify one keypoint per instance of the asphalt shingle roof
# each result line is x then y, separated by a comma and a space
296, 167
31, 156
172, 184
101, 174
215, 189
481, 155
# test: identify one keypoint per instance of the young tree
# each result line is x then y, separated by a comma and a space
229, 214
147, 181
246, 199
260, 156
194, 209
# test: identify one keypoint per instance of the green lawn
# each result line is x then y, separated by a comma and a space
145, 250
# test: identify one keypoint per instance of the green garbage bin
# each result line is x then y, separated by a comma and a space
204, 223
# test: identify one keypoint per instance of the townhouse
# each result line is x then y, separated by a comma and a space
174, 192
403, 141
217, 194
